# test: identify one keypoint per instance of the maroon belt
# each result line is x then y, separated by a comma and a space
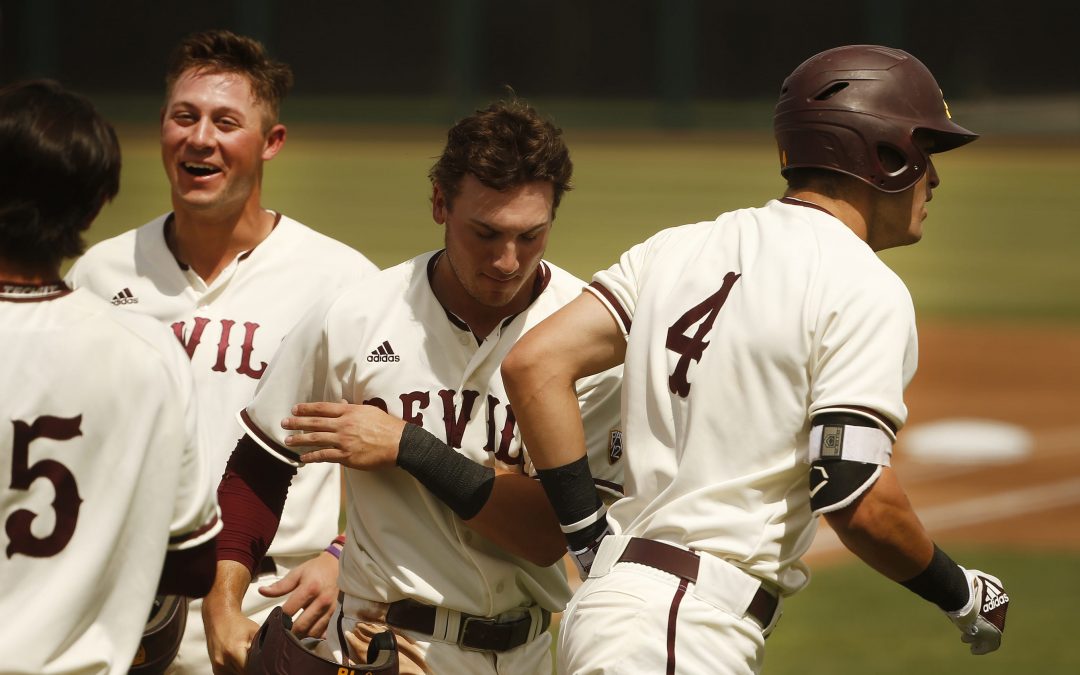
475, 632
684, 564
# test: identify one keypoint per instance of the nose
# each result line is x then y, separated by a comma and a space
202, 133
934, 180
506, 262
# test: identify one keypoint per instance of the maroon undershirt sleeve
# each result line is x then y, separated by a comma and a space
251, 495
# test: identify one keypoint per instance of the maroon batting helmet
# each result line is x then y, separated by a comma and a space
276, 651
860, 110
161, 636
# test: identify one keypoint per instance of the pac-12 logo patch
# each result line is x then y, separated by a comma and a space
832, 440
615, 446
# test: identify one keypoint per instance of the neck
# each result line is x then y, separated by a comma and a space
208, 242
21, 274
850, 209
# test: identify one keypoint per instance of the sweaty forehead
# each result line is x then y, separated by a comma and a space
199, 85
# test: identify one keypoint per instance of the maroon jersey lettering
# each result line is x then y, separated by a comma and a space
245, 353
455, 422
66, 501
419, 399
191, 343
506, 436
691, 348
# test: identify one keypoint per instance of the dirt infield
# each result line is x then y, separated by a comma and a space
1020, 375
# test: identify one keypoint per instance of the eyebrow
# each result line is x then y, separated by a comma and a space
489, 228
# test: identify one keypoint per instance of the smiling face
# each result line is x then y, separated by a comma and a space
494, 242
214, 139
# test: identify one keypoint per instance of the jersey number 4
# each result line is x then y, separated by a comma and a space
66, 502
691, 348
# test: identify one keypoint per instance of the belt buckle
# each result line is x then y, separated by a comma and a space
464, 629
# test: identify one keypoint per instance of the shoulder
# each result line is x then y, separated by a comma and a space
122, 246
312, 242
145, 340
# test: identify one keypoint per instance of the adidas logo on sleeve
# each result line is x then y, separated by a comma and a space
125, 297
384, 354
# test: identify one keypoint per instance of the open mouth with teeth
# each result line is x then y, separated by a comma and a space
197, 169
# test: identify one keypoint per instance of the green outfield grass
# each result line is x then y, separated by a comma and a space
1001, 241
850, 620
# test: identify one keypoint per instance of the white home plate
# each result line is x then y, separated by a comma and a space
967, 441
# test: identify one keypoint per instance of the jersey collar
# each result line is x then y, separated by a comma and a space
11, 291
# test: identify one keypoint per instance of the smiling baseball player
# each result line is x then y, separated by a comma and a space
451, 542
104, 474
766, 354
230, 278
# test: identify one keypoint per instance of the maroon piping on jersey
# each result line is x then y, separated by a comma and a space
810, 205
620, 311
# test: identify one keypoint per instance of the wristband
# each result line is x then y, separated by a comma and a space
334, 550
459, 482
943, 583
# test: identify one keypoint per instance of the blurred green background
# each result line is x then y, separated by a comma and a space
1001, 240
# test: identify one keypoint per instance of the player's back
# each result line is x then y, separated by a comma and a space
732, 324
99, 467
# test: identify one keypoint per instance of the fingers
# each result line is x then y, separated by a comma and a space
282, 586
311, 440
320, 409
309, 423
315, 618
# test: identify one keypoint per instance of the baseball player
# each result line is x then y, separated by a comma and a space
106, 495
230, 277
766, 354
450, 541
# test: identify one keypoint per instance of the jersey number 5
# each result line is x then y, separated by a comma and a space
691, 348
66, 501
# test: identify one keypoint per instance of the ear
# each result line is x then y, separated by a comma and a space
275, 140
438, 205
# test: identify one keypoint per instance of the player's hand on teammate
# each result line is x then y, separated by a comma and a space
357, 436
982, 620
311, 586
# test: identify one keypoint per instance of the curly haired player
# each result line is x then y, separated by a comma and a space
452, 543
766, 354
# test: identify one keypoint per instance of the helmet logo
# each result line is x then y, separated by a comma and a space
946, 104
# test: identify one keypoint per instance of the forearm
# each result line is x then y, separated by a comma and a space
519, 518
226, 596
883, 530
509, 509
540, 395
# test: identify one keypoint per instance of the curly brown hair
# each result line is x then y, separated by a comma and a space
504, 145
222, 51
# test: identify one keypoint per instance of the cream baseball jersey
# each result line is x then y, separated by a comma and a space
230, 330
102, 472
389, 342
738, 331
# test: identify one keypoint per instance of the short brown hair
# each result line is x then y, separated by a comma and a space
59, 164
504, 145
221, 51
